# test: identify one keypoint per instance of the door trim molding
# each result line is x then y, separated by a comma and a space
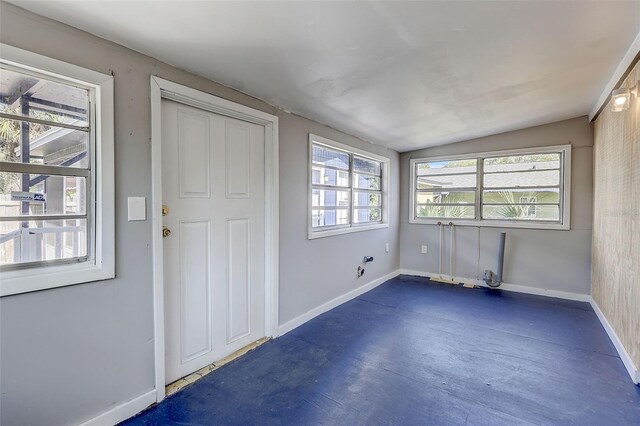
164, 89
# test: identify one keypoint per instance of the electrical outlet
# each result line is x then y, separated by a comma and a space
386, 247
423, 249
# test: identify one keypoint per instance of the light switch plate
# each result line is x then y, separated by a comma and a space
137, 208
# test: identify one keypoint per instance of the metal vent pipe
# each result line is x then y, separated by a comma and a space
503, 237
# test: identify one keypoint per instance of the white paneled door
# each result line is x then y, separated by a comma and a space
213, 187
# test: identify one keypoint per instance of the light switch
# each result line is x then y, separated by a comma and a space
137, 208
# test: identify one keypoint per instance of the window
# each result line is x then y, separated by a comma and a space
56, 173
446, 189
521, 188
347, 189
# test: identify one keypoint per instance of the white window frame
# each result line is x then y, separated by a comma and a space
351, 227
565, 185
100, 265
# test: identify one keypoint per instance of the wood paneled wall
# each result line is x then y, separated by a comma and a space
615, 262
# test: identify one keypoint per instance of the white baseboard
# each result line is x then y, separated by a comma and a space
579, 297
624, 355
298, 321
123, 411
504, 286
626, 359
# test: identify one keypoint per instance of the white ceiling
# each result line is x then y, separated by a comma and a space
400, 74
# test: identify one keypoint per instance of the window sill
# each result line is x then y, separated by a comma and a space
43, 278
495, 224
339, 231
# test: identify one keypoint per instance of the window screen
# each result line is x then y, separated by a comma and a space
45, 170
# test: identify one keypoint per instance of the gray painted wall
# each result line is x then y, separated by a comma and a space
325, 268
555, 260
69, 354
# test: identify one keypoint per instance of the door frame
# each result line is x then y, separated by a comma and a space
164, 89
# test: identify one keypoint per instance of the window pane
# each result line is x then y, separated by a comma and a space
322, 176
366, 181
343, 179
373, 214
366, 166
330, 157
515, 196
522, 162
42, 194
330, 198
367, 198
447, 197
518, 212
447, 167
322, 217
455, 181
42, 240
508, 180
42, 98
53, 146
445, 212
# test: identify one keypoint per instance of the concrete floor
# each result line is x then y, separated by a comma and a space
413, 352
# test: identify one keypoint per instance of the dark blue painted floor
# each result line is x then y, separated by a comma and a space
413, 352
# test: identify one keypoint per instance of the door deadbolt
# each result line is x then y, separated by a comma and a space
165, 232
165, 210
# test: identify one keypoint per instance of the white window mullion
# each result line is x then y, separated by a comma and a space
479, 188
351, 179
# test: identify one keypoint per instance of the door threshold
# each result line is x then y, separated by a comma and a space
174, 387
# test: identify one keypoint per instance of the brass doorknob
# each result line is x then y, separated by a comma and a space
165, 232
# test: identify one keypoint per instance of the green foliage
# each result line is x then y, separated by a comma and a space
437, 211
513, 211
374, 214
456, 211
534, 158
461, 163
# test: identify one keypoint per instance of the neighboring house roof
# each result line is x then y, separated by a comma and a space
58, 143
542, 176
537, 165
334, 162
